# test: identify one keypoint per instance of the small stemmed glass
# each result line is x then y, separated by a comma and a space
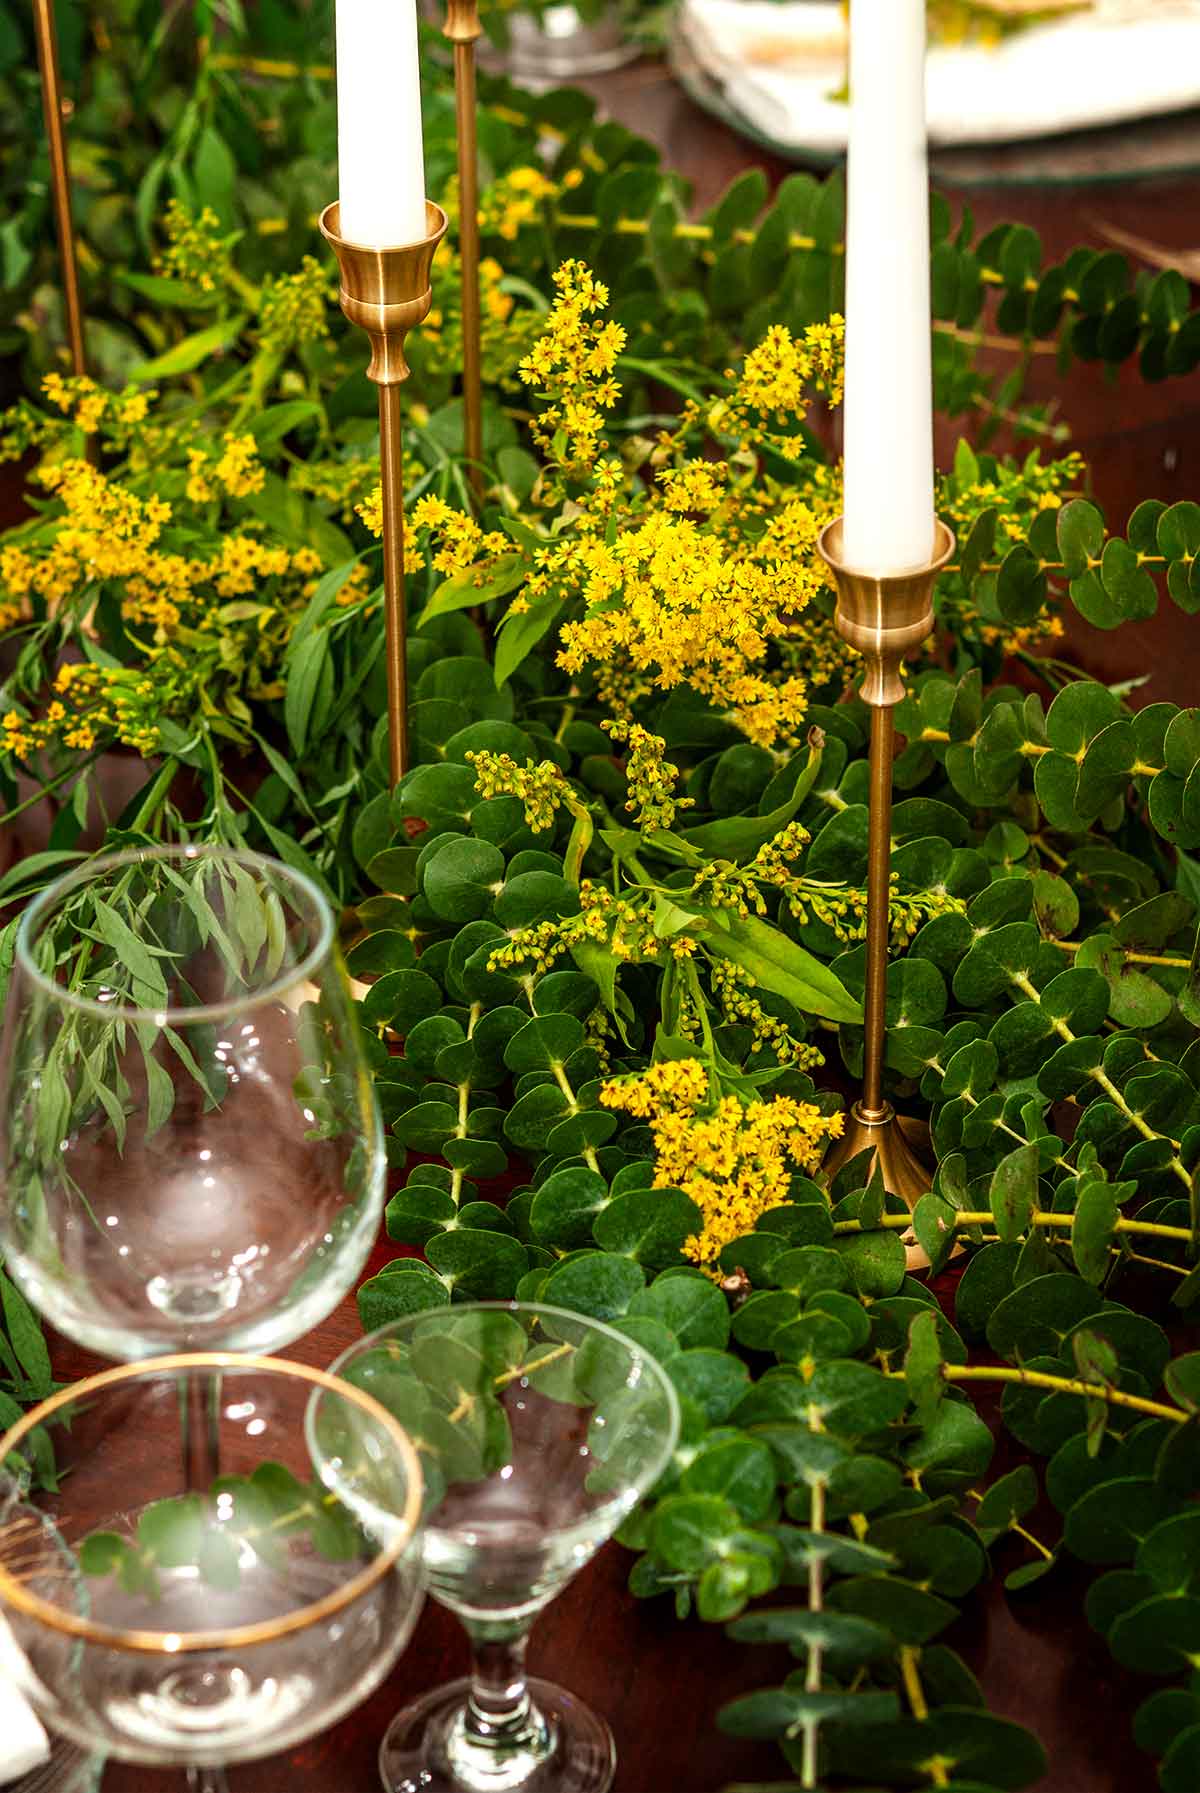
176, 1625
190, 1150
538, 1432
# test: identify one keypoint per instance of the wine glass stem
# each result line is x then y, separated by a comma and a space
499, 1711
209, 1779
200, 1431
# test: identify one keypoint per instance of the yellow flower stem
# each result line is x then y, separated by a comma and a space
52, 784
155, 797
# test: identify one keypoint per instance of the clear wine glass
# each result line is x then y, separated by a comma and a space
538, 1431
190, 1151
168, 1624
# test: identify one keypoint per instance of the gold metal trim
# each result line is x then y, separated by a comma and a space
385, 290
165, 1643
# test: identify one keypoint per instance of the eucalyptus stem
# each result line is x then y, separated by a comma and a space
1067, 1385
816, 1603
1039, 1217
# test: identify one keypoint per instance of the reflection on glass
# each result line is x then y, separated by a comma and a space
190, 1152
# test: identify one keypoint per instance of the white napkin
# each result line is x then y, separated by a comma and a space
23, 1742
779, 64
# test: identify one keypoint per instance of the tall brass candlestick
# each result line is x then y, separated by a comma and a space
46, 33
386, 291
884, 616
462, 29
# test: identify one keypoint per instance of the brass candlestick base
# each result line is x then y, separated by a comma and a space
462, 28
385, 291
885, 616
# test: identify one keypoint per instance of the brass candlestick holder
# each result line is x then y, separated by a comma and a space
884, 616
46, 33
462, 29
386, 291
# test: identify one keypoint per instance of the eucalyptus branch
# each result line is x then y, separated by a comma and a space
1068, 1385
816, 1604
985, 1217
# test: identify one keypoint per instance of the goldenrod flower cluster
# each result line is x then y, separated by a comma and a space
542, 788
734, 989
650, 779
462, 545
624, 923
778, 381
506, 332
572, 364
702, 579
84, 405
843, 908
734, 1160
295, 308
683, 604
513, 200
207, 628
234, 470
197, 250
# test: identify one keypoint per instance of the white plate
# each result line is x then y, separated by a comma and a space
780, 64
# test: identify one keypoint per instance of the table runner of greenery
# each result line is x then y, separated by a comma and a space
611, 923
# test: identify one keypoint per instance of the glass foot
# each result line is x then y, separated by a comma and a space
425, 1751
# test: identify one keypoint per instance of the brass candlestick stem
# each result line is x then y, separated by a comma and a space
386, 291
462, 29
60, 175
884, 616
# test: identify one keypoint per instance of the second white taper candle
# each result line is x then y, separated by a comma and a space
888, 413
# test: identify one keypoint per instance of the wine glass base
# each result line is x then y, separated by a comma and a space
415, 1758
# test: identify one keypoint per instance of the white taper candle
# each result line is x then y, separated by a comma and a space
381, 161
888, 414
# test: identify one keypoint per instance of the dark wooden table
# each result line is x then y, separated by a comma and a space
657, 1681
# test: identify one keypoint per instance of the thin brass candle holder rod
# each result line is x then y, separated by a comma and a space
462, 29
386, 291
884, 616
46, 33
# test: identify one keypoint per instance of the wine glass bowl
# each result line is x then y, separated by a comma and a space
166, 1623
538, 1431
190, 1153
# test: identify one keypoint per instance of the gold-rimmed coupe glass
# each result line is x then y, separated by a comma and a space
539, 1430
167, 1623
191, 1155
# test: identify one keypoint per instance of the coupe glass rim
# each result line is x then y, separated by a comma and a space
199, 1013
165, 1643
640, 1352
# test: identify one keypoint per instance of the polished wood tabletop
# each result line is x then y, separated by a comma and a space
656, 1680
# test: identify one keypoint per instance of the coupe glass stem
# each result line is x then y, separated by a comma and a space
500, 1715
209, 1779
